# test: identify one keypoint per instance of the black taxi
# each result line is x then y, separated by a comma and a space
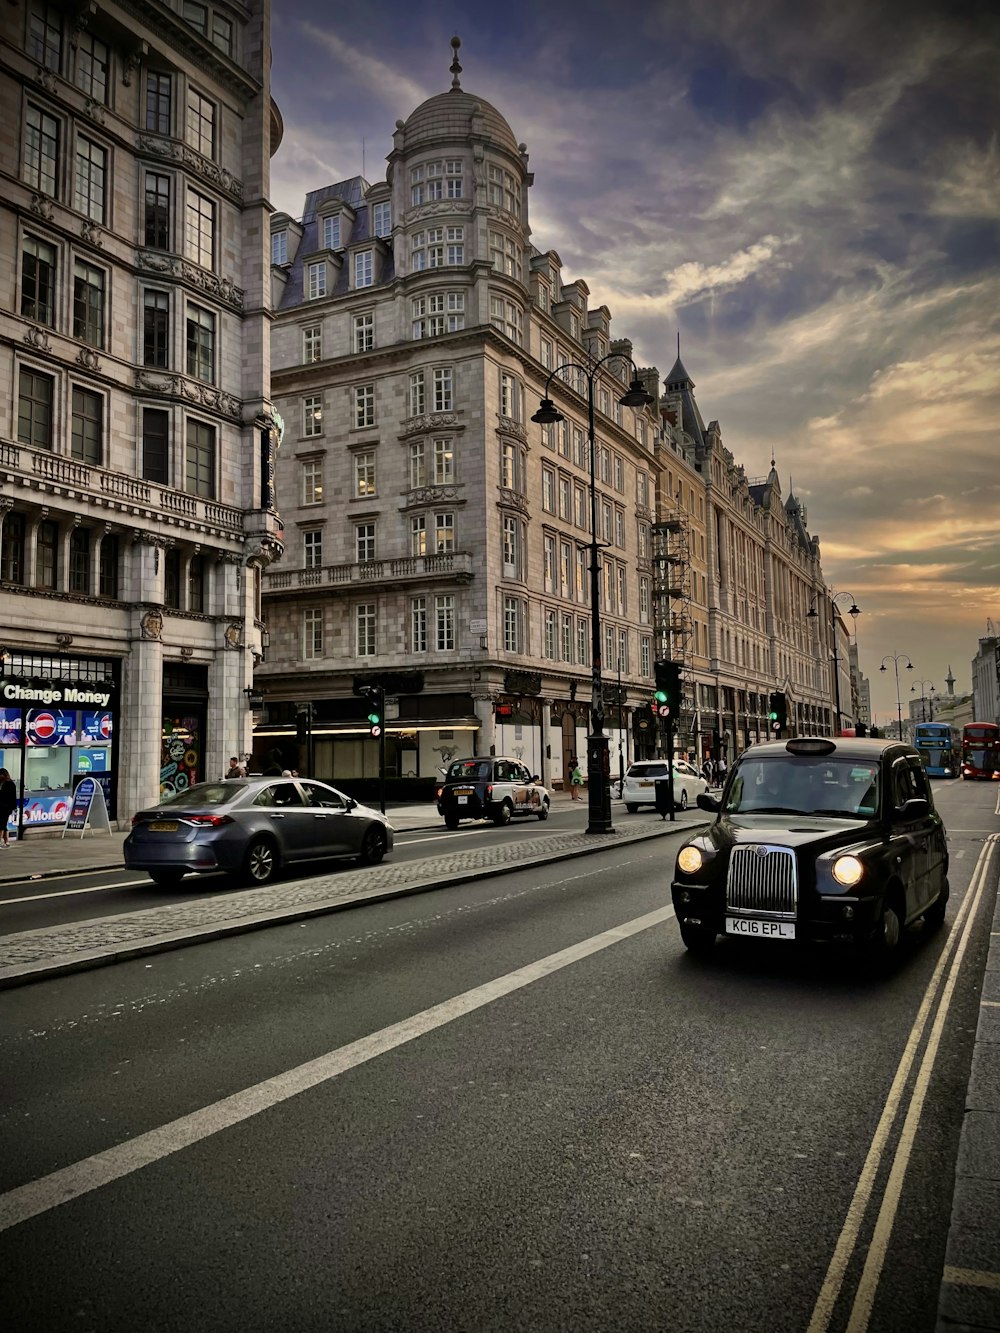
491, 787
816, 840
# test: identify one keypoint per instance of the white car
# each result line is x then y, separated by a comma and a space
640, 780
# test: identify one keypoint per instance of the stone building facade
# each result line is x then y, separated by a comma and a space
137, 434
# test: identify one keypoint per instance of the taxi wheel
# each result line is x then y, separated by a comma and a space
503, 815
934, 916
260, 865
684, 799
697, 939
543, 810
451, 821
885, 939
372, 847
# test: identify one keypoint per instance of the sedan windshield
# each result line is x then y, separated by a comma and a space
782, 784
207, 793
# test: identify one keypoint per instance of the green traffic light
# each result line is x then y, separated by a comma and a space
773, 717
660, 697
374, 719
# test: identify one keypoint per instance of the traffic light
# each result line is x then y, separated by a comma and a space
375, 710
668, 688
777, 718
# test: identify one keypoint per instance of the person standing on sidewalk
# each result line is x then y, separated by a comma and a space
8, 804
575, 780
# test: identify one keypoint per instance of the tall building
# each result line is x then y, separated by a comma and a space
986, 677
136, 504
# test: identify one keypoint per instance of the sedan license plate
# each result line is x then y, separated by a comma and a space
769, 930
163, 826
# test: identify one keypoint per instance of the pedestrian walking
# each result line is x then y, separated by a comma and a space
575, 780
720, 771
236, 769
8, 804
706, 771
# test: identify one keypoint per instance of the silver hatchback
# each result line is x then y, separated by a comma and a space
252, 828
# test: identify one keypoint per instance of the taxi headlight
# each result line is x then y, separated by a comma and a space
690, 860
848, 870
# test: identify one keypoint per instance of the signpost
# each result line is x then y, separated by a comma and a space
89, 808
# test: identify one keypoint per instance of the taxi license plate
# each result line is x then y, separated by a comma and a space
463, 800
163, 826
770, 930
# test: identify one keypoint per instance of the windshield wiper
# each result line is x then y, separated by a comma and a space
765, 810
841, 814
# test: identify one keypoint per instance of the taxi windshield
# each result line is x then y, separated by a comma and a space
800, 785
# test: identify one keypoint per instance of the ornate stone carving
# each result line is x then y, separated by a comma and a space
88, 359
182, 153
232, 635
174, 266
38, 339
91, 233
94, 110
152, 625
425, 495
129, 62
437, 207
263, 550
204, 395
431, 421
41, 206
46, 79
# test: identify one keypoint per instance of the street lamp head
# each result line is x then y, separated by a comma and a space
812, 614
854, 610
637, 394
909, 666
548, 414
883, 667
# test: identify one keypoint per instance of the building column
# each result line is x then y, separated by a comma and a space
486, 743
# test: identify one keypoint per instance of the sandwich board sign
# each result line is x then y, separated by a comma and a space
89, 808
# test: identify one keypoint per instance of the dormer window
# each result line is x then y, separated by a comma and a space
363, 270
382, 219
331, 232
315, 280
279, 247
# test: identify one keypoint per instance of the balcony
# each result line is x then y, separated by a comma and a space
43, 473
453, 566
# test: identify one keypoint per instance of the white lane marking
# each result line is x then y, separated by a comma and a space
71, 1182
990, 1004
848, 1239
864, 1298
70, 893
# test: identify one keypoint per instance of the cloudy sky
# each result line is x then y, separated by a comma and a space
809, 193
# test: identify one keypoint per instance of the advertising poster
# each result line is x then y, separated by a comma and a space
10, 726
96, 728
93, 761
180, 757
40, 809
50, 726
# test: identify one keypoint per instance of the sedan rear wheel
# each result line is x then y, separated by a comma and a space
543, 810
260, 865
451, 821
372, 846
503, 815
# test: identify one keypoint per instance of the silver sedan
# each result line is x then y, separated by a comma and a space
253, 827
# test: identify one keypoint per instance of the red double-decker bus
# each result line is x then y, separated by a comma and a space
981, 750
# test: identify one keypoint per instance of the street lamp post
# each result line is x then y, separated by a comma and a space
924, 699
853, 610
598, 765
894, 659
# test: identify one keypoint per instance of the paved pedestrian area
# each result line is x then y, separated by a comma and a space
34, 954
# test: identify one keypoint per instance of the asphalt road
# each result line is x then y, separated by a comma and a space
514, 1104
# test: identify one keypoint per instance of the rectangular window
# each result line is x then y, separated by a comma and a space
45, 35
511, 547
443, 400
622, 591
364, 406
582, 575
157, 211
47, 554
455, 251
619, 474
34, 409
548, 490
418, 535
90, 191
418, 624
156, 445
444, 618
364, 332
502, 189
418, 464
79, 561
418, 401
364, 629
158, 98
549, 563
222, 33
643, 599
510, 397
444, 533
620, 528
363, 269
155, 329
197, 15
88, 418
38, 280
12, 549
453, 178
646, 657
565, 502
88, 303
364, 542
565, 569
550, 635
41, 150
312, 481
199, 129
567, 638
199, 470
316, 280
92, 67
312, 633
196, 584
364, 473
505, 255
172, 579
312, 415
199, 229
201, 344
279, 247
331, 233
312, 344
444, 463
582, 519
582, 643
382, 219
506, 316
512, 620
108, 567
312, 548
509, 466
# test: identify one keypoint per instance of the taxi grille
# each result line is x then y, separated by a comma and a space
762, 879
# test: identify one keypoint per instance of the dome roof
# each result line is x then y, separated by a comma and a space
449, 116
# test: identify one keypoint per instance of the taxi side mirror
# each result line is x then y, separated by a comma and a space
711, 803
914, 808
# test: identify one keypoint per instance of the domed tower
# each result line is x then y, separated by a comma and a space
459, 197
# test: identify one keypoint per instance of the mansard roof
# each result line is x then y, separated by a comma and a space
352, 193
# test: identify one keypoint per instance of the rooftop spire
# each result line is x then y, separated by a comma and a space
456, 68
